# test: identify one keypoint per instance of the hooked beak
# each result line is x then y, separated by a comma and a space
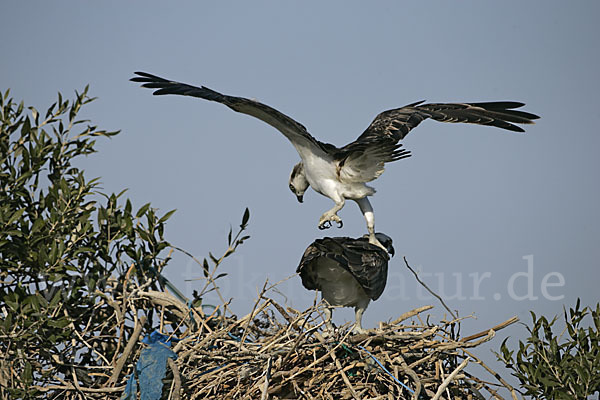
392, 251
300, 198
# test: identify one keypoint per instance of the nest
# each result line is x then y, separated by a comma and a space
281, 353
277, 352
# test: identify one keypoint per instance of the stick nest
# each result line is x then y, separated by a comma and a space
277, 352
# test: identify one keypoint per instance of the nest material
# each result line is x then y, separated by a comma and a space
279, 353
276, 352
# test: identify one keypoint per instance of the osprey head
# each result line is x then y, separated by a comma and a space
386, 241
298, 181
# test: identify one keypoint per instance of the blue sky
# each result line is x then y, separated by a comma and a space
500, 223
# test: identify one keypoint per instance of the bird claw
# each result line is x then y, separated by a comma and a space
325, 225
373, 240
359, 331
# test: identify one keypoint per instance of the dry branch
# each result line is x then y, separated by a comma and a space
276, 352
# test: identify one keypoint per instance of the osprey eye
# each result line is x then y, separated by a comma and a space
292, 188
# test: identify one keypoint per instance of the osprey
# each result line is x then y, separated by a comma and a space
342, 173
348, 272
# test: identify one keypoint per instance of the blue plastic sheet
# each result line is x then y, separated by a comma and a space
150, 369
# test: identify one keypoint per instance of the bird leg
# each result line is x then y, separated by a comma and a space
329, 328
367, 210
331, 215
358, 312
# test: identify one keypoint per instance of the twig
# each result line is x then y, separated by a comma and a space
167, 299
265, 393
410, 314
75, 380
319, 359
83, 389
139, 325
343, 374
495, 328
91, 347
210, 278
408, 371
429, 290
303, 334
449, 379
176, 379
281, 281
251, 315
494, 373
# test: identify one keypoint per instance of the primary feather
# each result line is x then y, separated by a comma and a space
341, 173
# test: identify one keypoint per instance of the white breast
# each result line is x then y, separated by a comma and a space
320, 173
322, 176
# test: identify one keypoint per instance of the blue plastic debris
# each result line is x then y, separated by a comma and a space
130, 389
156, 337
150, 369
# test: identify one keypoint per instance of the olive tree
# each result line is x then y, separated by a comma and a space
559, 363
63, 245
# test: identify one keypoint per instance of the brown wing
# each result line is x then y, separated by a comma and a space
397, 123
295, 132
363, 160
366, 262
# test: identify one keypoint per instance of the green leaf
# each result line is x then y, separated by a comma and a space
166, 216
26, 127
12, 304
245, 218
34, 114
15, 216
205, 268
55, 299
142, 210
243, 239
27, 374
144, 235
81, 250
59, 323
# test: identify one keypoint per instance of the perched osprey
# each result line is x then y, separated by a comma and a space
348, 272
341, 173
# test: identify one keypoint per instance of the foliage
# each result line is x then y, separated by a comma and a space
81, 285
60, 248
549, 367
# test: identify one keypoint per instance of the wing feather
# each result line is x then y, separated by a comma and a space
363, 160
366, 262
397, 123
295, 132
366, 162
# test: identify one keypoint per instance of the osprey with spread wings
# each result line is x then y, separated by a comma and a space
342, 173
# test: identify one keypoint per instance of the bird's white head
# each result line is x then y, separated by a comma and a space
298, 181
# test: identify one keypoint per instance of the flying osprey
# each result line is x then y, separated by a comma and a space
341, 173
348, 272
